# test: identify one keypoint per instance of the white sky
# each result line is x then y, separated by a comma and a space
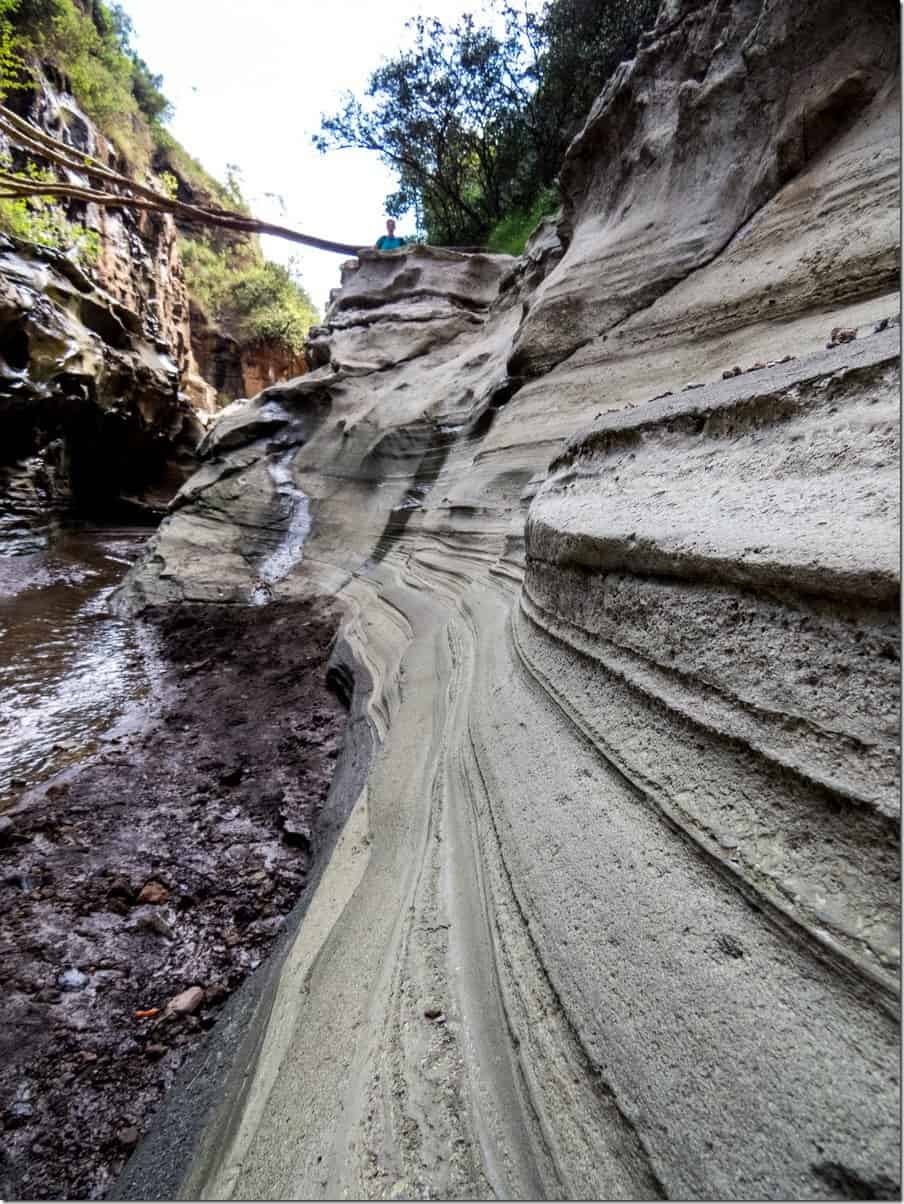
249, 80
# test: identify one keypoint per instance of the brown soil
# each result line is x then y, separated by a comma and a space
168, 862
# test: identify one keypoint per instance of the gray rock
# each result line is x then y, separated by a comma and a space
72, 980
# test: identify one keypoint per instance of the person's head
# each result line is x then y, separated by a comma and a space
390, 227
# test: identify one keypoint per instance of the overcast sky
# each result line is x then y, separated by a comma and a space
249, 80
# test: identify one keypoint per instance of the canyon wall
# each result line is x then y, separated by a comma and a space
614, 530
107, 370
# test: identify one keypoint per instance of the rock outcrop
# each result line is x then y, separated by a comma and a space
614, 532
108, 372
92, 414
231, 369
137, 264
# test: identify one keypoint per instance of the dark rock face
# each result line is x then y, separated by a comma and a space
233, 369
107, 375
93, 418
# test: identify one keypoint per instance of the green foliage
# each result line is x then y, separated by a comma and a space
475, 121
249, 297
88, 41
38, 219
169, 184
271, 306
13, 71
509, 236
444, 116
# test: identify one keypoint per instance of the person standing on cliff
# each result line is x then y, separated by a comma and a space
388, 241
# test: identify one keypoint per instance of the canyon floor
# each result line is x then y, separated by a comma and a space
166, 863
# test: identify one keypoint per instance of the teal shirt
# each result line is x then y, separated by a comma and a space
385, 243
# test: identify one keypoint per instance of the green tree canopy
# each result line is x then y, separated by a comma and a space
475, 118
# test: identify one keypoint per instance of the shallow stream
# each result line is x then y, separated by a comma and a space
68, 668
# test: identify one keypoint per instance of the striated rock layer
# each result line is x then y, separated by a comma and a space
613, 527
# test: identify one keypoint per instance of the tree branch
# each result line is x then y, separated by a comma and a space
134, 195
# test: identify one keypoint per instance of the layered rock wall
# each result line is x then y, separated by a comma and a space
614, 531
138, 261
107, 371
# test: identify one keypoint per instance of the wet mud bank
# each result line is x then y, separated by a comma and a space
144, 886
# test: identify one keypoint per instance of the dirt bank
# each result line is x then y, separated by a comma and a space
166, 863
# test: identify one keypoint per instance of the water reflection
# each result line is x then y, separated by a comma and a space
68, 668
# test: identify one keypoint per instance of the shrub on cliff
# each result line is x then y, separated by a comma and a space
88, 41
252, 299
38, 219
509, 236
475, 118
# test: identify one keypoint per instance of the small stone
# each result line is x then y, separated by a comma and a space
121, 888
433, 1013
730, 372
7, 829
757, 367
88, 1056
153, 892
152, 921
246, 913
216, 993
297, 834
18, 783
155, 1050
185, 1003
128, 1138
232, 777
72, 980
841, 334
698, 384
18, 1114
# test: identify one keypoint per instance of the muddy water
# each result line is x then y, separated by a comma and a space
68, 669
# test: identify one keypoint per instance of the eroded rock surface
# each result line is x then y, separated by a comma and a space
614, 533
91, 408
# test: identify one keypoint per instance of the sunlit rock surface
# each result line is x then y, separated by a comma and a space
615, 531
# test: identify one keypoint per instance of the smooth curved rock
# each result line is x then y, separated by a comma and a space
721, 107
617, 912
